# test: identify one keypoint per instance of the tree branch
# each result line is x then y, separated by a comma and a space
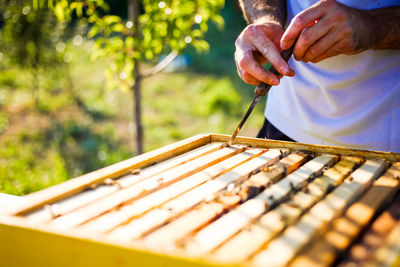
162, 65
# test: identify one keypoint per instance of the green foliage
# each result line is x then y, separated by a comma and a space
164, 26
31, 38
218, 96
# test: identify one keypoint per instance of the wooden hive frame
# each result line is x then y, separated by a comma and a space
25, 243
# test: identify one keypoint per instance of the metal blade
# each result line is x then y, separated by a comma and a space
260, 91
249, 110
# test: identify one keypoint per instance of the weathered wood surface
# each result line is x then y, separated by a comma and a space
256, 234
81, 199
318, 149
181, 227
183, 203
210, 188
74, 186
389, 254
325, 250
113, 219
284, 248
145, 187
217, 232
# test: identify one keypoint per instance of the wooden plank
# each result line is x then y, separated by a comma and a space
325, 250
73, 186
237, 172
272, 174
274, 194
389, 254
111, 220
296, 146
236, 175
256, 234
374, 236
145, 187
283, 249
81, 199
219, 231
24, 244
168, 235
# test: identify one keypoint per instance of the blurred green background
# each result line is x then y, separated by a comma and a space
58, 121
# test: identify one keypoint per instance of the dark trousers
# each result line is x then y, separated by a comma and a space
270, 132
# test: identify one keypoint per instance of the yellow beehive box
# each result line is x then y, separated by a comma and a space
200, 202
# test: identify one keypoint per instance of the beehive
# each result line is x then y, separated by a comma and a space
200, 202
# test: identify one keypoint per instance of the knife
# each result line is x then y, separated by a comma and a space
260, 91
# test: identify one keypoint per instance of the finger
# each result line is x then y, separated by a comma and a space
321, 46
249, 79
309, 37
247, 63
269, 51
334, 50
301, 21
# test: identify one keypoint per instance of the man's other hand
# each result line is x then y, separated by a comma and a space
258, 44
339, 30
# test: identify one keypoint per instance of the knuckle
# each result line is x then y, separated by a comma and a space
347, 46
251, 31
314, 50
315, 60
340, 15
306, 36
346, 30
334, 51
243, 62
299, 20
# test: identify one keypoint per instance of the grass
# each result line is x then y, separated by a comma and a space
79, 126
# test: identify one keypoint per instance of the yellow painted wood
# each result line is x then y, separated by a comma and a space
40, 246
25, 244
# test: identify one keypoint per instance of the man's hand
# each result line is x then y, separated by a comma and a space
257, 44
339, 30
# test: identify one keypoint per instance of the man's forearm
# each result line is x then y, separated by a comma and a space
256, 11
385, 26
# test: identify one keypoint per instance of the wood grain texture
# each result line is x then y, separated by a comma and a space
296, 146
283, 249
325, 250
73, 186
145, 187
219, 231
195, 196
113, 219
256, 234
81, 199
180, 227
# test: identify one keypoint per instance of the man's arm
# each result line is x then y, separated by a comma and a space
341, 30
264, 10
259, 42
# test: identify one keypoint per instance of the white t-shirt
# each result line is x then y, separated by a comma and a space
351, 101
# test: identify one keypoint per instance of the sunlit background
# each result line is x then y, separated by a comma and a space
59, 118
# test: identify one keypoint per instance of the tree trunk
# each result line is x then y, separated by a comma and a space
133, 15
138, 109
